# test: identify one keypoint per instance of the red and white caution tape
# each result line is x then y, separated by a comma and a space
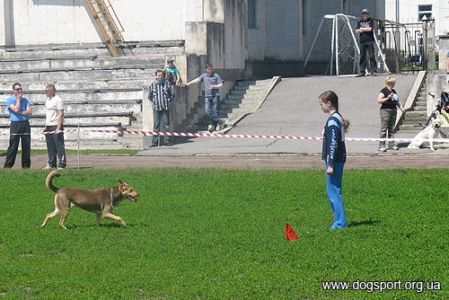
233, 136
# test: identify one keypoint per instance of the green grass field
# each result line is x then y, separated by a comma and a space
214, 234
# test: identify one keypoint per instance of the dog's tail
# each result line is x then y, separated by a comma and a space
49, 183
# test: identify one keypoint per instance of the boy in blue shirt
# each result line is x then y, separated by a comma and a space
211, 87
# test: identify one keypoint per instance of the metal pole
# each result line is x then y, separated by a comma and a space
424, 58
337, 61
313, 43
78, 145
332, 47
397, 11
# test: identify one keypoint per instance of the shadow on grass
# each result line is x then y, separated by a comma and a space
368, 222
106, 225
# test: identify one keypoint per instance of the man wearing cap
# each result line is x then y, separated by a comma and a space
365, 29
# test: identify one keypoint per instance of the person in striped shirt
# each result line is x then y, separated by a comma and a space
334, 155
160, 94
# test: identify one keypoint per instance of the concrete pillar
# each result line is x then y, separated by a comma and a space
443, 56
8, 25
147, 117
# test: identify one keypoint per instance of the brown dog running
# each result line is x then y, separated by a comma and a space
101, 201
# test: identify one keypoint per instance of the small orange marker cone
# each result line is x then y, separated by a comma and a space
290, 233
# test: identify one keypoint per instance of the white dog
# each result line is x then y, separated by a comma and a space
428, 134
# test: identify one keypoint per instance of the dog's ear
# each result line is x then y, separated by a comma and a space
120, 182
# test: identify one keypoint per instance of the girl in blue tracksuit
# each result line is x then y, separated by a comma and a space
334, 155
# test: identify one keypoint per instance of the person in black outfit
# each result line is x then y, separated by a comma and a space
365, 27
389, 102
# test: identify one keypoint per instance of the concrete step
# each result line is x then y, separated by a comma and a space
78, 107
41, 65
228, 107
260, 87
420, 108
420, 102
414, 119
410, 128
416, 113
168, 48
85, 118
86, 74
85, 95
96, 84
233, 98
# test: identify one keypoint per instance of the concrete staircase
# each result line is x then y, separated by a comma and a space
98, 91
243, 99
418, 115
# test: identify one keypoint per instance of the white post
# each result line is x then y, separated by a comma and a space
78, 144
337, 69
313, 43
355, 41
332, 47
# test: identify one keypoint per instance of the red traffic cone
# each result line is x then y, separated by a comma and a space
290, 233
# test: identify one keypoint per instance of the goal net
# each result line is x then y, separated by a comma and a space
335, 49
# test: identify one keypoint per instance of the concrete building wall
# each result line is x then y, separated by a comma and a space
408, 12
282, 34
256, 35
50, 22
67, 21
145, 20
441, 15
286, 28
2, 22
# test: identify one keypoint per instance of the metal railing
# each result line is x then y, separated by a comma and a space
407, 46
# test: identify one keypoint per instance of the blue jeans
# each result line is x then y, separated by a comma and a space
161, 123
333, 187
211, 108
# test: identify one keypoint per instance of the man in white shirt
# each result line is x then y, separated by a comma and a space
54, 134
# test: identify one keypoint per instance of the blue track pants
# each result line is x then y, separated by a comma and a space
333, 187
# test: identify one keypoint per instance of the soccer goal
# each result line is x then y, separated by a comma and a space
335, 49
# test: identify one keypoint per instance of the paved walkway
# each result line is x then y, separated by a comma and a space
292, 109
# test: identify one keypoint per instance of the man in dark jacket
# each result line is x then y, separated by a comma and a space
365, 28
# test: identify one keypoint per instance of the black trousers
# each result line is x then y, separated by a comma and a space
55, 148
161, 121
19, 131
364, 48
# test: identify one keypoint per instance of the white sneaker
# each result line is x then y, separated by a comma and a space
394, 147
47, 167
211, 128
382, 149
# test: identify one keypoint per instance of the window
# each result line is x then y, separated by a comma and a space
424, 10
251, 13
